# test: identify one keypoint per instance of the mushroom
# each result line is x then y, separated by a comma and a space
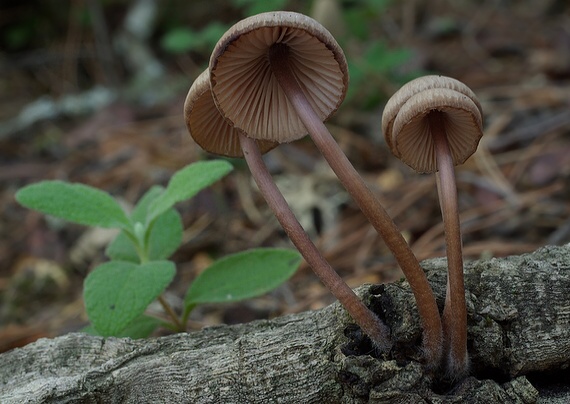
211, 132
277, 76
432, 124
208, 127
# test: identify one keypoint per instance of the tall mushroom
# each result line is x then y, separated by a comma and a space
432, 124
277, 76
215, 135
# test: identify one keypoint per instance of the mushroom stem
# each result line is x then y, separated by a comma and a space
367, 202
364, 317
455, 312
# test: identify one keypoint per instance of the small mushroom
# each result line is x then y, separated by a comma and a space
277, 76
208, 127
211, 132
432, 124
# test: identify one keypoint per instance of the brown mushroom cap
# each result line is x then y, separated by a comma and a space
248, 94
406, 127
208, 127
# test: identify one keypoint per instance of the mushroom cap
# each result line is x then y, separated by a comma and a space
248, 94
406, 127
208, 127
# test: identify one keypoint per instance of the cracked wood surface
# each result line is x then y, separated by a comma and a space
519, 344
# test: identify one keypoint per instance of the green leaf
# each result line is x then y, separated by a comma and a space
165, 238
165, 235
166, 232
179, 40
89, 329
122, 249
140, 327
76, 203
140, 212
118, 292
243, 275
183, 39
380, 59
188, 182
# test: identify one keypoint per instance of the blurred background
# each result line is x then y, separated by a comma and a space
92, 91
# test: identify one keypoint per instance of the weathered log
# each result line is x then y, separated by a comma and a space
519, 342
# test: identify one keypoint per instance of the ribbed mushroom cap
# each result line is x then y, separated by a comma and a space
248, 94
208, 127
406, 126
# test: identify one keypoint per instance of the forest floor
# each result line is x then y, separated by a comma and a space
68, 112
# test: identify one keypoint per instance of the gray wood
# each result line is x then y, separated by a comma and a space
519, 328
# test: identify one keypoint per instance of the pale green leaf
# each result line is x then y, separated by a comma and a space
140, 327
118, 292
242, 276
122, 248
188, 182
76, 203
165, 234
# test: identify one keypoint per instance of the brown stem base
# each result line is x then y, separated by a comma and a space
455, 312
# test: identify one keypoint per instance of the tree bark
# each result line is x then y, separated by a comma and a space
518, 338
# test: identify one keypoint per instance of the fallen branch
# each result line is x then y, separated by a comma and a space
519, 342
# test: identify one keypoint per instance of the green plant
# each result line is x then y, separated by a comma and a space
252, 7
183, 39
180, 39
378, 64
373, 64
117, 292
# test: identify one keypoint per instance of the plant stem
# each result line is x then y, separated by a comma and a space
170, 311
367, 203
186, 314
455, 312
364, 317
143, 257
